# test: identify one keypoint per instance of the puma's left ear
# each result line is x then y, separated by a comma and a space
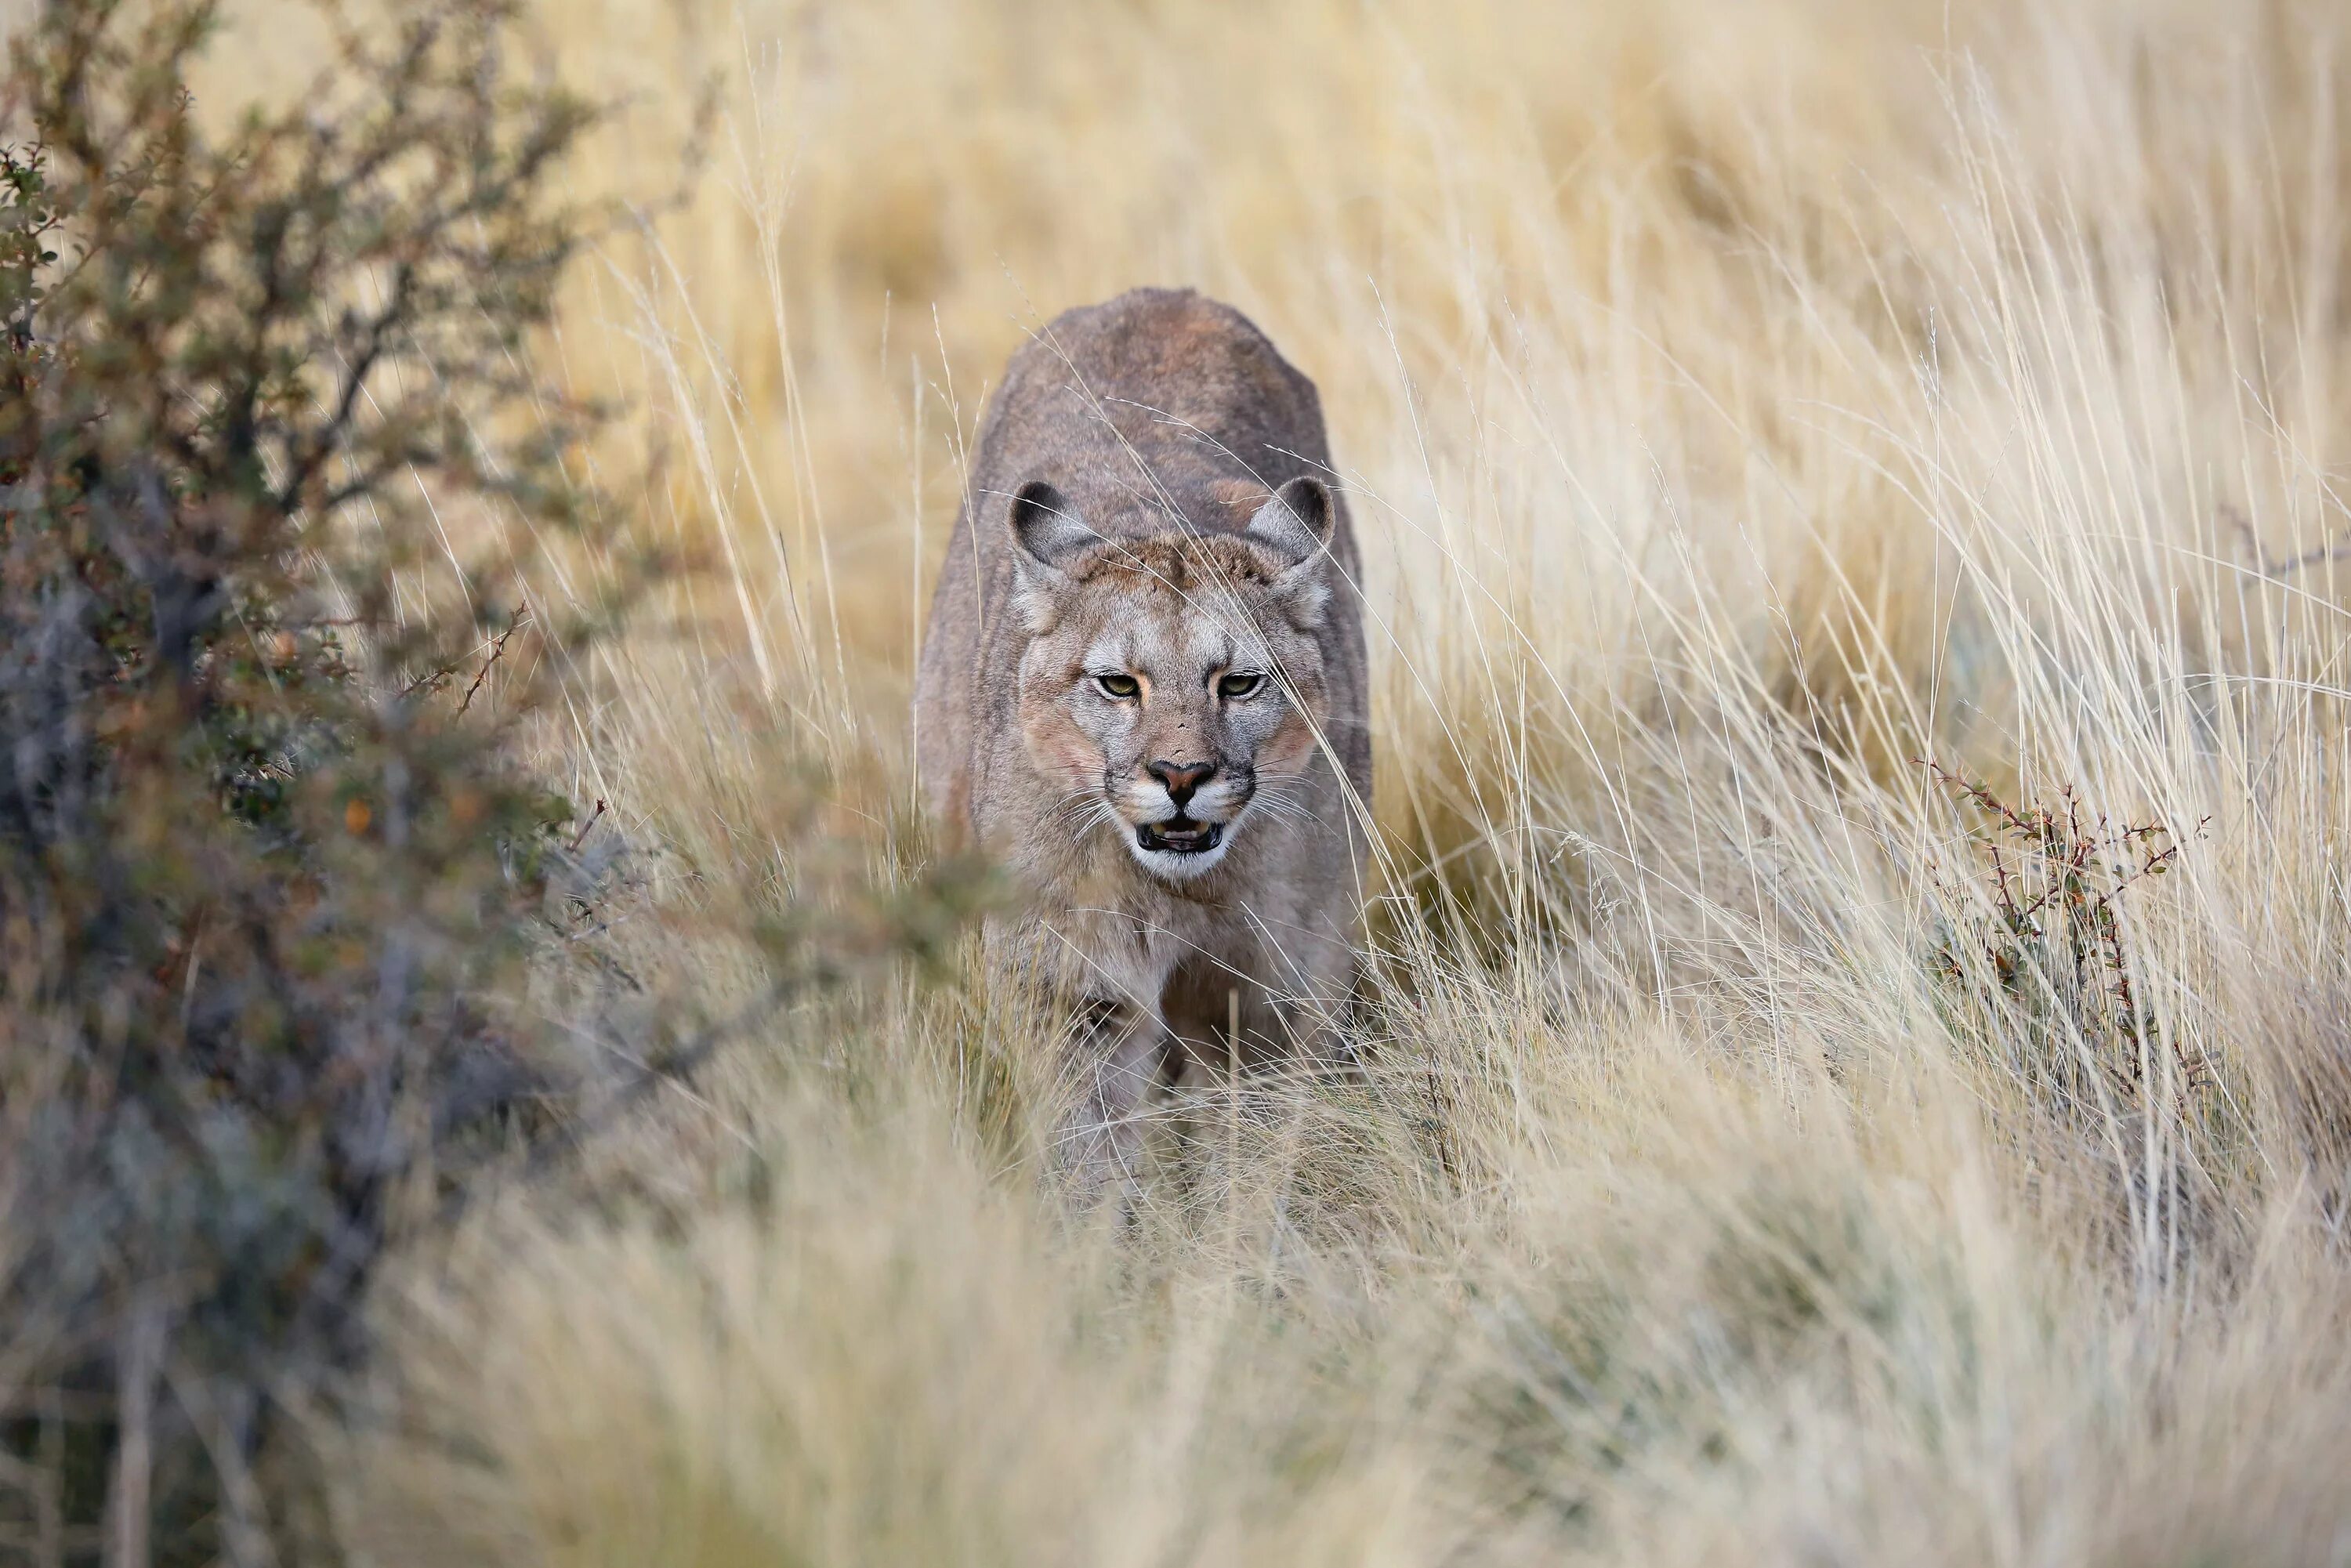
1297, 523
1297, 526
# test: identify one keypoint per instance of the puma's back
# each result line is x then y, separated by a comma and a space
1159, 412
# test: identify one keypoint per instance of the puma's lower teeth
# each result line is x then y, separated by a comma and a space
1193, 838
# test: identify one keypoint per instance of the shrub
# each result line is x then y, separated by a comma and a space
267, 884
2043, 932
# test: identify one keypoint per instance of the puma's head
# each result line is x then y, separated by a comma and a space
1171, 687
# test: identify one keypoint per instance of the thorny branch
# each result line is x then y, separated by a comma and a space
2053, 899
2338, 549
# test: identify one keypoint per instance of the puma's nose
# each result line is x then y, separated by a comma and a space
1182, 778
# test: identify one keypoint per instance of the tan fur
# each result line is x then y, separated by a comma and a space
1185, 544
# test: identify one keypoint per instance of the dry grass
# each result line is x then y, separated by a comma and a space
1741, 401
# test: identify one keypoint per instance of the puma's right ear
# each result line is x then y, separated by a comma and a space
1046, 528
1047, 535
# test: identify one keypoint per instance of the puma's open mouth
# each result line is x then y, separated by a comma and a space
1180, 836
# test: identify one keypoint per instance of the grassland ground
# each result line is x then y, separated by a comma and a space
1770, 1149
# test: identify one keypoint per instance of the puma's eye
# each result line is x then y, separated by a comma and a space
1120, 689
1241, 684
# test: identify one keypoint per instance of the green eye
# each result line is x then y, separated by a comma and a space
1241, 684
1119, 689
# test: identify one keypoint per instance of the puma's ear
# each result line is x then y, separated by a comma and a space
1047, 529
1047, 535
1297, 526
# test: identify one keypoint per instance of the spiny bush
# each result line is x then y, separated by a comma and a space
2046, 935
269, 884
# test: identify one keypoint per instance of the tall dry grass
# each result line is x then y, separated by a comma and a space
1740, 403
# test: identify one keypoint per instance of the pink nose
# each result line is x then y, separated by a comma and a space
1182, 778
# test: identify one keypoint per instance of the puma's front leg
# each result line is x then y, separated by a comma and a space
1122, 1061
